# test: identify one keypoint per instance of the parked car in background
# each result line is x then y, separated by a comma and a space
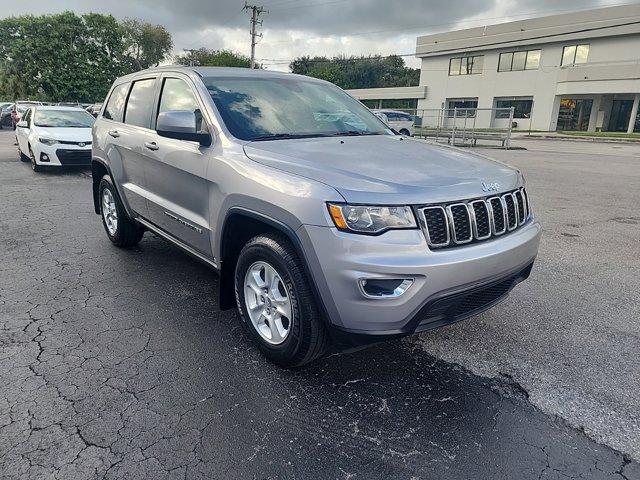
5, 114
401, 122
55, 136
16, 114
94, 109
70, 104
328, 230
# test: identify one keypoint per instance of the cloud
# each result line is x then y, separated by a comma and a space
309, 27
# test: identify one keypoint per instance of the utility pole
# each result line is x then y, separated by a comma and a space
190, 51
256, 11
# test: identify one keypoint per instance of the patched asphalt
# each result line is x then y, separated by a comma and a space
570, 335
117, 364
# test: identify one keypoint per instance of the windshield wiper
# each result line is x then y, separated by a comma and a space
285, 136
354, 133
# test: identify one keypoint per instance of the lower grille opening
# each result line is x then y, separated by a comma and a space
458, 306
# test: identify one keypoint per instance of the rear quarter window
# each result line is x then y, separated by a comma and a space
115, 105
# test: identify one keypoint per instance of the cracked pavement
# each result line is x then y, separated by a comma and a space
570, 335
117, 364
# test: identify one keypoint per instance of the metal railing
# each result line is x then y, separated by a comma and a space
462, 126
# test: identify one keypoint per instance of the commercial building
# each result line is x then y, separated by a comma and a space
575, 71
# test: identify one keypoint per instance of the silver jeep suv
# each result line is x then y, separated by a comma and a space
328, 231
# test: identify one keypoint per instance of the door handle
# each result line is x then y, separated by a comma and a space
151, 145
114, 133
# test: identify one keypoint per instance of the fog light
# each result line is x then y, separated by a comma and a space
44, 157
384, 287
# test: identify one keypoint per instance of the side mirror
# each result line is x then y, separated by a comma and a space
181, 125
22, 124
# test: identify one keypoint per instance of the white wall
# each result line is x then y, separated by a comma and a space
541, 84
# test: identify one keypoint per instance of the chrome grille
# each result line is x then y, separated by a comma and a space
512, 214
460, 223
482, 226
436, 226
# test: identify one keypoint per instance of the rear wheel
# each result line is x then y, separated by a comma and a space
405, 132
121, 230
276, 303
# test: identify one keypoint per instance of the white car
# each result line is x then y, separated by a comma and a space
401, 122
55, 136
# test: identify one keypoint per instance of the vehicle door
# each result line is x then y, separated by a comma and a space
176, 176
22, 133
128, 114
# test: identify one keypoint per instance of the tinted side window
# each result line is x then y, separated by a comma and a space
140, 103
115, 105
27, 117
177, 95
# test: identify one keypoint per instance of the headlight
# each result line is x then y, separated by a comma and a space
371, 219
47, 141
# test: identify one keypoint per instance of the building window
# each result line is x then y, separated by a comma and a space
466, 65
517, 61
462, 107
575, 54
574, 114
521, 107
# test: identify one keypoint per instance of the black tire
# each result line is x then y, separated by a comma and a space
34, 166
308, 338
405, 132
127, 232
23, 157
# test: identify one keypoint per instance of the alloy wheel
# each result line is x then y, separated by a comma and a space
109, 211
268, 303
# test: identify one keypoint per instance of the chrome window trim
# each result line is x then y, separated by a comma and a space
426, 227
492, 217
453, 226
474, 222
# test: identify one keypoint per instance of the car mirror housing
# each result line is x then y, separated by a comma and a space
181, 125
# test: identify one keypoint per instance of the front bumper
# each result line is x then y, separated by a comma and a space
343, 259
62, 155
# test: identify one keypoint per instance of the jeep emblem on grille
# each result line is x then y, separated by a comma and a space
490, 187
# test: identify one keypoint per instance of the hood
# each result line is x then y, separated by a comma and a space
386, 169
66, 133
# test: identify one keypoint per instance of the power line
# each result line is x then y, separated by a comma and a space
256, 11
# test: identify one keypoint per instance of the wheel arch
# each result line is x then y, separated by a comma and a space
240, 225
98, 170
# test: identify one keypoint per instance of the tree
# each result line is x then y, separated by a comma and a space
205, 57
145, 45
358, 72
59, 57
74, 58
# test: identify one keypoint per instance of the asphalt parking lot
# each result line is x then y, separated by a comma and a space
117, 364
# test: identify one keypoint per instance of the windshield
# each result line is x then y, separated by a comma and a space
277, 108
63, 118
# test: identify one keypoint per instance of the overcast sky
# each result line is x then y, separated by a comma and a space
310, 27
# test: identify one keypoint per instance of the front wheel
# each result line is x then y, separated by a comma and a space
276, 303
23, 157
121, 230
34, 166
